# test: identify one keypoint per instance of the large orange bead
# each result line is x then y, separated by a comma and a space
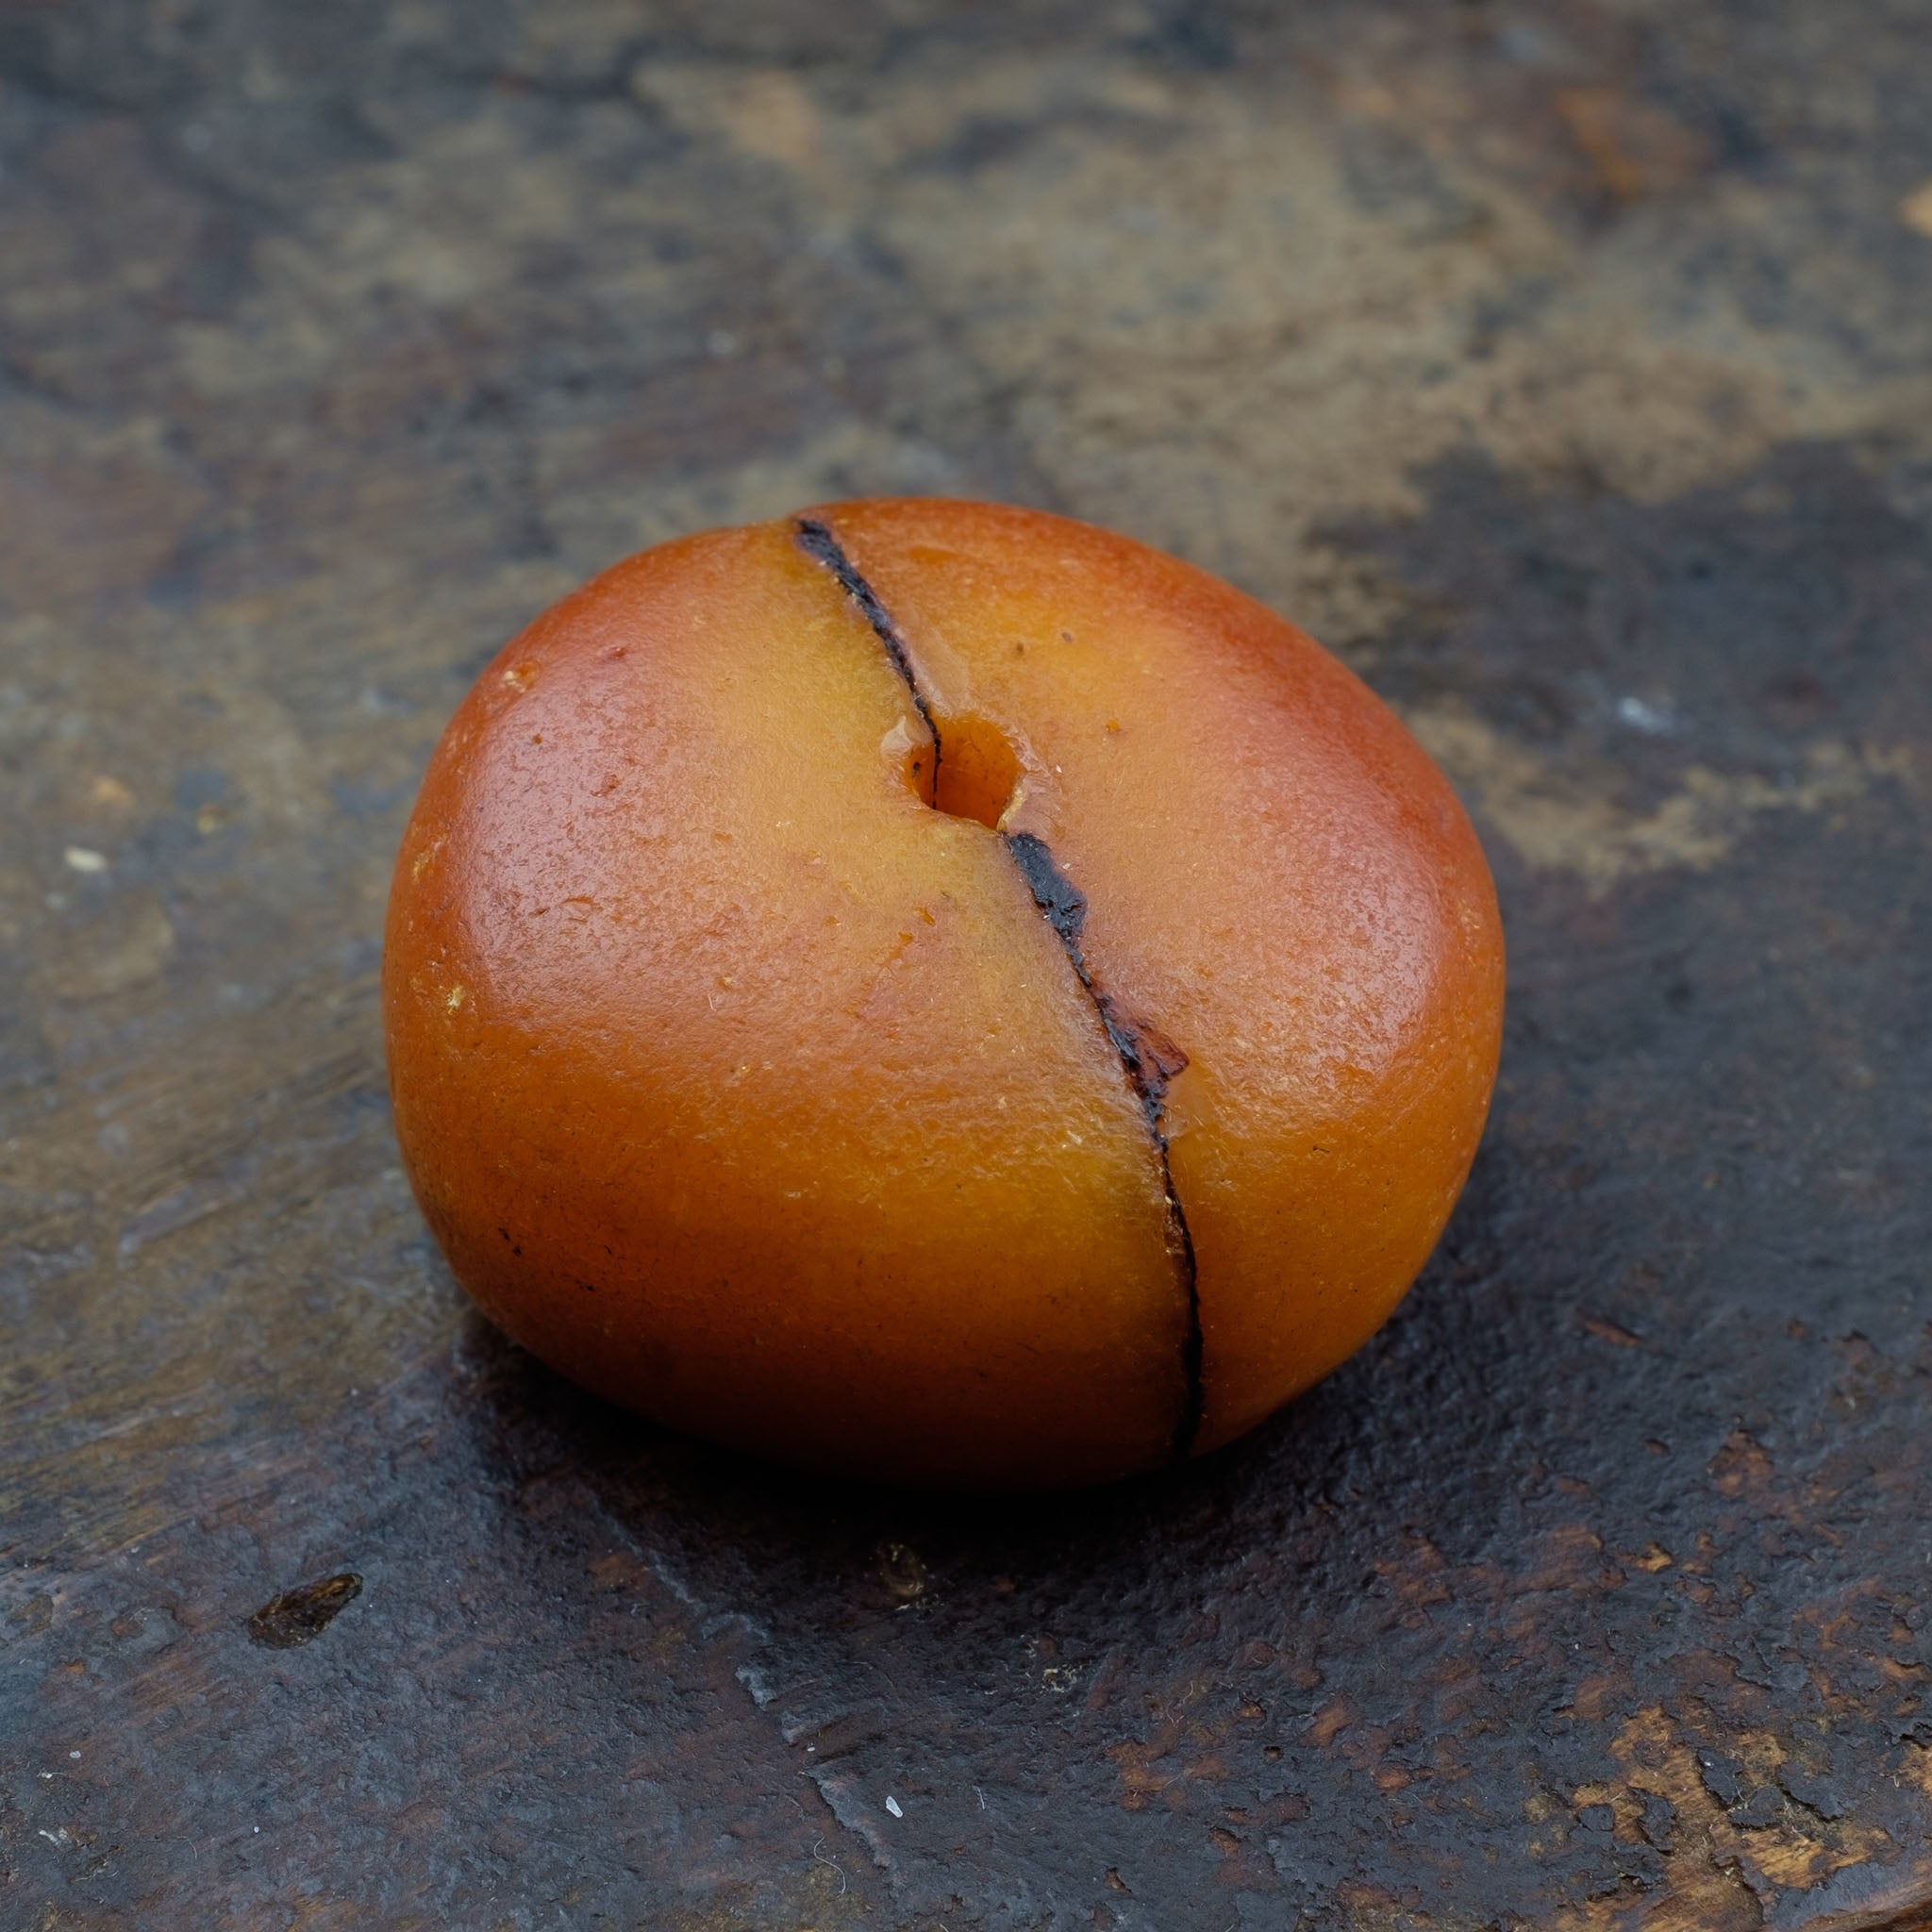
936, 991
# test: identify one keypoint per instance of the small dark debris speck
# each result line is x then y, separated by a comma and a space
1720, 1780
1765, 1806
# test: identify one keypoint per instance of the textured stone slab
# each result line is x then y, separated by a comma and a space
1568, 368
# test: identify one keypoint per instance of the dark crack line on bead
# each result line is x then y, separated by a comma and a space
1149, 1059
819, 544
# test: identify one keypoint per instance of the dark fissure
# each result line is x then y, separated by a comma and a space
819, 544
1149, 1059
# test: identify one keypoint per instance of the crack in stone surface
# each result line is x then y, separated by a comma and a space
1147, 1056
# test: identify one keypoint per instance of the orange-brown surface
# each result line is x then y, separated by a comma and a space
1025, 1127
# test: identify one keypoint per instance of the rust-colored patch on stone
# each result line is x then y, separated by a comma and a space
1736, 1865
300, 1615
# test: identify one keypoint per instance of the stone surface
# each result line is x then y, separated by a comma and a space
1567, 367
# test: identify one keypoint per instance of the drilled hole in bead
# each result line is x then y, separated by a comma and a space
978, 770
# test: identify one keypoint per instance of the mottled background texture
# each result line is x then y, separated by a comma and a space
1566, 366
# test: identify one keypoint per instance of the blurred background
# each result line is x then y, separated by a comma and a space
1567, 368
